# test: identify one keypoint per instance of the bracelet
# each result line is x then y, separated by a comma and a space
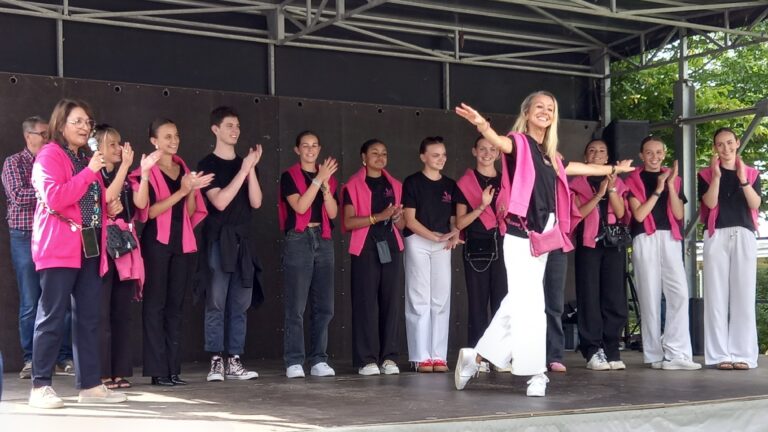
481, 208
612, 190
144, 178
745, 184
372, 219
658, 195
317, 182
613, 169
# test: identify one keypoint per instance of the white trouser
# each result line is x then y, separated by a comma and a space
517, 334
427, 298
730, 268
659, 268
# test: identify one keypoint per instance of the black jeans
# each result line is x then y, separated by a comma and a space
308, 266
116, 324
482, 288
554, 303
168, 275
601, 297
377, 305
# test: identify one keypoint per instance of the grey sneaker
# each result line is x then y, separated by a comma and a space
26, 371
65, 368
617, 365
45, 397
100, 394
389, 367
217, 369
236, 370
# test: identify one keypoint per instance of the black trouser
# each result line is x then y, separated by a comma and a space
377, 299
601, 298
167, 276
482, 287
554, 303
116, 325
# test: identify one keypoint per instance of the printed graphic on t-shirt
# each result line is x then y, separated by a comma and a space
447, 197
389, 193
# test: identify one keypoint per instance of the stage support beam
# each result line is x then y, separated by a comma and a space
601, 65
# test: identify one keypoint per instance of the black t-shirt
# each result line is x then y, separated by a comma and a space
543, 196
733, 207
239, 209
288, 188
602, 209
126, 195
659, 212
476, 229
177, 215
432, 199
382, 195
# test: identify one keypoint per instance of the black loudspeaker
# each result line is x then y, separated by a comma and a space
623, 139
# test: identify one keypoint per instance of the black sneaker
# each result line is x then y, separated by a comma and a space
217, 369
236, 370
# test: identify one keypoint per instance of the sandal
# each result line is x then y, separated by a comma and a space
109, 384
726, 365
740, 366
123, 383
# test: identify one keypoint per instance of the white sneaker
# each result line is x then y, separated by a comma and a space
322, 370
101, 394
537, 385
617, 365
369, 369
680, 364
484, 367
466, 367
657, 364
389, 367
294, 371
44, 397
598, 362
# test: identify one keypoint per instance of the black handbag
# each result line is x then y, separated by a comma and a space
480, 253
614, 236
120, 241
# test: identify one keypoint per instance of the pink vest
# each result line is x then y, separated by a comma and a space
302, 220
360, 195
521, 189
129, 266
472, 191
156, 180
582, 189
637, 188
709, 216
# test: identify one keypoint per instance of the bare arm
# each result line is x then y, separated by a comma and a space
503, 143
414, 225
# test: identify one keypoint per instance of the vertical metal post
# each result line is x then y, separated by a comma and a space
685, 152
446, 86
60, 40
601, 64
271, 69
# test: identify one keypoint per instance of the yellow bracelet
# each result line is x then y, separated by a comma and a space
372, 219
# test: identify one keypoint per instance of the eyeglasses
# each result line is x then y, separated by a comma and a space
82, 122
43, 135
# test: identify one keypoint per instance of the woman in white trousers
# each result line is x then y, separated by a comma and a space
729, 192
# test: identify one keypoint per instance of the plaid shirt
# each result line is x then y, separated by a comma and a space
17, 181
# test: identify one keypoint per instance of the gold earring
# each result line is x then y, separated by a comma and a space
363, 163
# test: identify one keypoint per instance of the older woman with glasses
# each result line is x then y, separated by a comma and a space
67, 238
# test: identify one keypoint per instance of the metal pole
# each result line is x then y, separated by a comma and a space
446, 86
271, 69
60, 40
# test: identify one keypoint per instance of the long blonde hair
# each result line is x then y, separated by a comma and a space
550, 136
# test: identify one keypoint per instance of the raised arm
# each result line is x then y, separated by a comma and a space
503, 143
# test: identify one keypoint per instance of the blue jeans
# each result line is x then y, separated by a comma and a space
226, 303
28, 281
308, 266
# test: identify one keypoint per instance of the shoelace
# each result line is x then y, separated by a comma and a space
236, 366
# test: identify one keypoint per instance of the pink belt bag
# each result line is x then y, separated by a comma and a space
544, 242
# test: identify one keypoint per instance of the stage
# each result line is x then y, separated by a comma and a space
638, 398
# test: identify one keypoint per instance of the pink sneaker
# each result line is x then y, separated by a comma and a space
557, 367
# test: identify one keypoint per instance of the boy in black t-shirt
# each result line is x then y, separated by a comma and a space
234, 191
